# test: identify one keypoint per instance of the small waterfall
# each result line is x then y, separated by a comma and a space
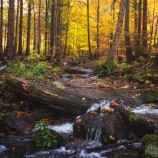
94, 134
103, 105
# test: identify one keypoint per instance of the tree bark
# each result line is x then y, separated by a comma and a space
46, 28
67, 30
117, 35
88, 32
1, 31
20, 28
16, 28
144, 28
60, 99
28, 29
129, 54
152, 28
10, 49
139, 39
98, 28
39, 28
34, 33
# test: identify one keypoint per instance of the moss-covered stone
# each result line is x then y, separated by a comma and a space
149, 96
47, 139
109, 67
150, 146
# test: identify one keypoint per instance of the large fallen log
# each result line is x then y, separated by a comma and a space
140, 125
60, 99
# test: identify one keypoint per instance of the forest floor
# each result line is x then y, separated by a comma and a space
130, 86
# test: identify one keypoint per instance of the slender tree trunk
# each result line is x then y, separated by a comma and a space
1, 31
20, 28
52, 32
67, 31
39, 28
129, 54
16, 28
117, 35
138, 51
144, 33
152, 27
34, 19
88, 32
58, 35
10, 49
155, 34
46, 28
98, 29
28, 29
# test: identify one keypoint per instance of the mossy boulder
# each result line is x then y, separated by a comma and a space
47, 139
149, 96
150, 146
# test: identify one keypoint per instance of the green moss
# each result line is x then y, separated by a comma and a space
109, 67
150, 146
134, 118
149, 96
45, 138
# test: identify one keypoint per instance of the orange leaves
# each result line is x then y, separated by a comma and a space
112, 138
113, 103
18, 114
79, 120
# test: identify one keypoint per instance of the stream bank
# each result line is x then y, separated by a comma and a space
63, 123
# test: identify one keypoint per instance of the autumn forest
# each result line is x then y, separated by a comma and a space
90, 28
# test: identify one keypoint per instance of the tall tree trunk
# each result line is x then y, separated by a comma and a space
67, 31
155, 34
46, 28
10, 49
139, 39
117, 35
28, 29
88, 32
144, 33
16, 28
129, 54
20, 28
58, 31
98, 29
39, 28
152, 27
1, 31
34, 20
52, 32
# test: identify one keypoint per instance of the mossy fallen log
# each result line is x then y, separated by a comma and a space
60, 99
140, 125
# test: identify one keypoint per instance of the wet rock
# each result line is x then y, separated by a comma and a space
20, 121
121, 154
18, 146
149, 96
2, 125
47, 139
150, 146
109, 127
58, 85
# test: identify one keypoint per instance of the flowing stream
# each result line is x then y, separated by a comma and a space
93, 140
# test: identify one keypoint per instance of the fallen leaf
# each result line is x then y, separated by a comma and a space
111, 137
79, 120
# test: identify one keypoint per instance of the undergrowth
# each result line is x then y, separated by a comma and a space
32, 68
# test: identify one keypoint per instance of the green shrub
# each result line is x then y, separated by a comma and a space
32, 69
44, 137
